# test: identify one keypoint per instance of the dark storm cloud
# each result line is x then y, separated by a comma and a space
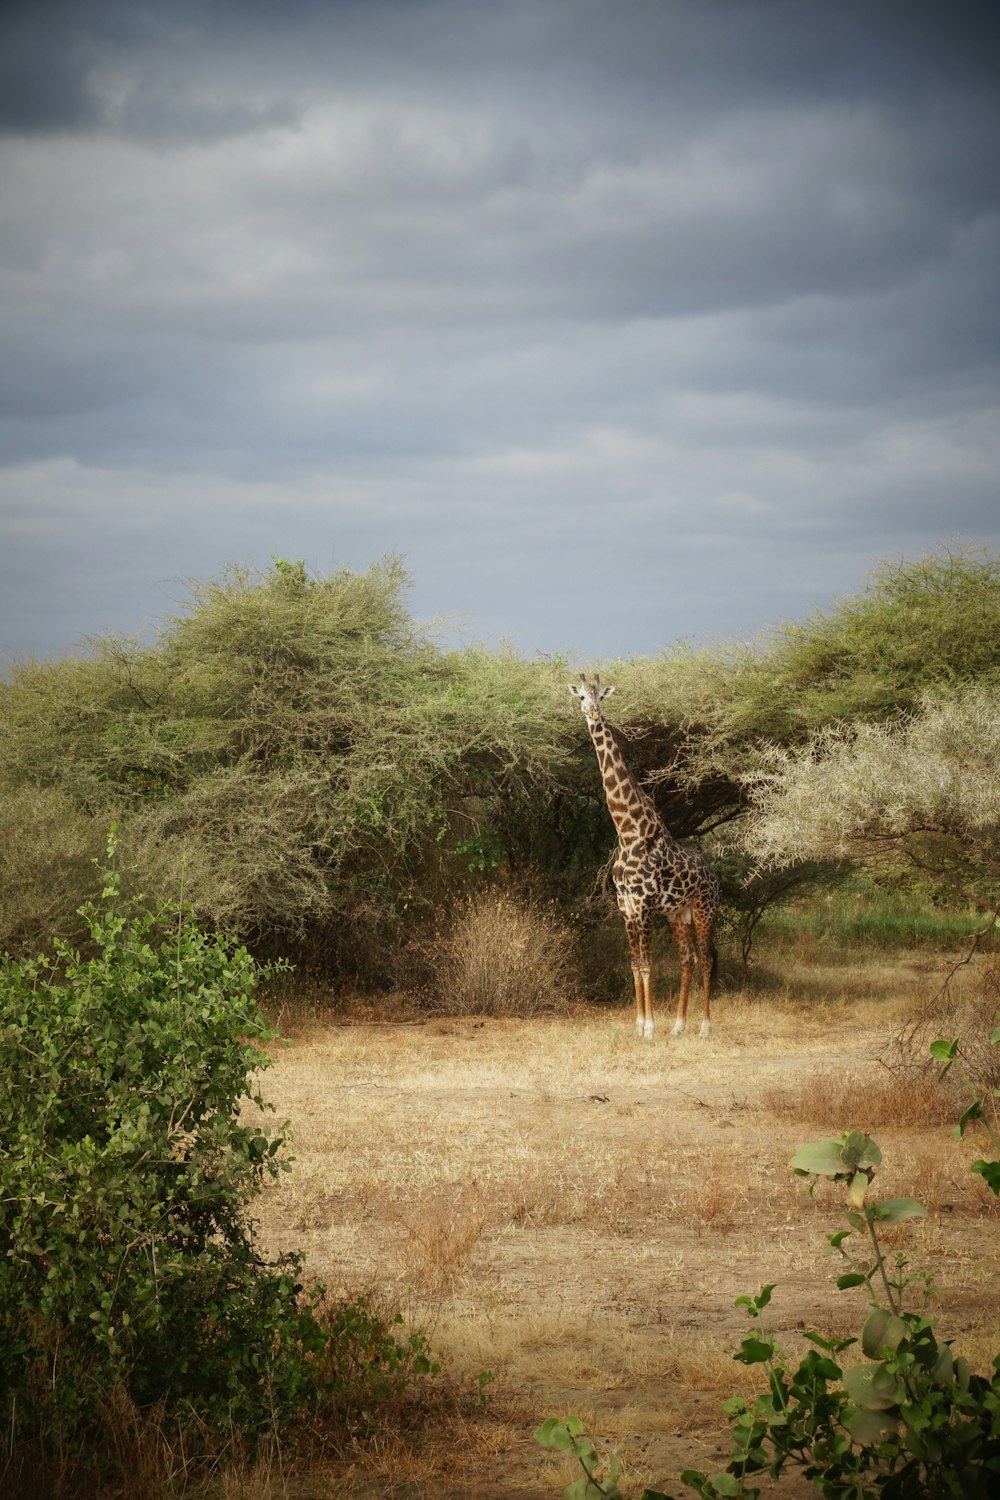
495, 286
44, 76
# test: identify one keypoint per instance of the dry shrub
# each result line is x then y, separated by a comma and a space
503, 957
974, 1020
861, 1100
905, 1090
968, 1013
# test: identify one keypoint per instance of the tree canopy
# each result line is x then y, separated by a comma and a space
314, 772
921, 794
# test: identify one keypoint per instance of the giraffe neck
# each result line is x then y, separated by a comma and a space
632, 810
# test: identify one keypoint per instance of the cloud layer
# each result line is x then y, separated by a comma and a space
622, 321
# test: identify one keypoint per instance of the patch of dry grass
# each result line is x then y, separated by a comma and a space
576, 1211
867, 1096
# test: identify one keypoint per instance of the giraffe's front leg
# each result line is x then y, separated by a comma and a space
640, 1002
640, 958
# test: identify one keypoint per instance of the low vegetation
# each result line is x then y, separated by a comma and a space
136, 1306
913, 1422
305, 766
578, 1214
503, 957
297, 770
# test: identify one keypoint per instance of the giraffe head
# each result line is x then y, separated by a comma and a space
591, 695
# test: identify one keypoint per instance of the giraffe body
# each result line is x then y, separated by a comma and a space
653, 875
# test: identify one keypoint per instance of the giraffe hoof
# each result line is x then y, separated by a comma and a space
647, 1031
678, 1026
706, 1028
640, 1029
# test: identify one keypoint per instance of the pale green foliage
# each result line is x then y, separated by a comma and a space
46, 863
921, 792
301, 761
698, 716
294, 756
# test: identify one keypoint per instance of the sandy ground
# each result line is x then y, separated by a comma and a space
576, 1211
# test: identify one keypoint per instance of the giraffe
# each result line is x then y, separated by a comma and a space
653, 873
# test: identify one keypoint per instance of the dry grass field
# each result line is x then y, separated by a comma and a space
576, 1211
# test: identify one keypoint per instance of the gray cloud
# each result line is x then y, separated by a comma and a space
689, 308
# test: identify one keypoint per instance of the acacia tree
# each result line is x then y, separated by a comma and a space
307, 766
920, 794
294, 756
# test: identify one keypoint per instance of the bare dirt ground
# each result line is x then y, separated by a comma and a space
576, 1211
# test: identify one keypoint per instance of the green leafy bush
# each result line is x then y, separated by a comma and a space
294, 756
912, 1421
127, 1256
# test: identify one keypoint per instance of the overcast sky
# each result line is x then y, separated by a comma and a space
622, 320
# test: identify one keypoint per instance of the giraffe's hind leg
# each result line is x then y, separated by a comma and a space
680, 926
704, 924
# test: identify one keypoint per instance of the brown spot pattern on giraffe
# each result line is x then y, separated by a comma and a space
664, 877
653, 874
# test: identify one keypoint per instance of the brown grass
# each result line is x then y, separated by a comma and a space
868, 1096
576, 1212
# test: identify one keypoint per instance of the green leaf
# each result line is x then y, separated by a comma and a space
883, 1330
868, 1426
895, 1210
860, 1151
823, 1160
727, 1485
754, 1350
944, 1051
588, 1489
944, 1366
853, 1152
553, 1433
833, 1346
849, 1279
860, 1385
583, 1449
974, 1112
989, 1171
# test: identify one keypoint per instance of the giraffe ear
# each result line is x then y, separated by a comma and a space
575, 690
606, 692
